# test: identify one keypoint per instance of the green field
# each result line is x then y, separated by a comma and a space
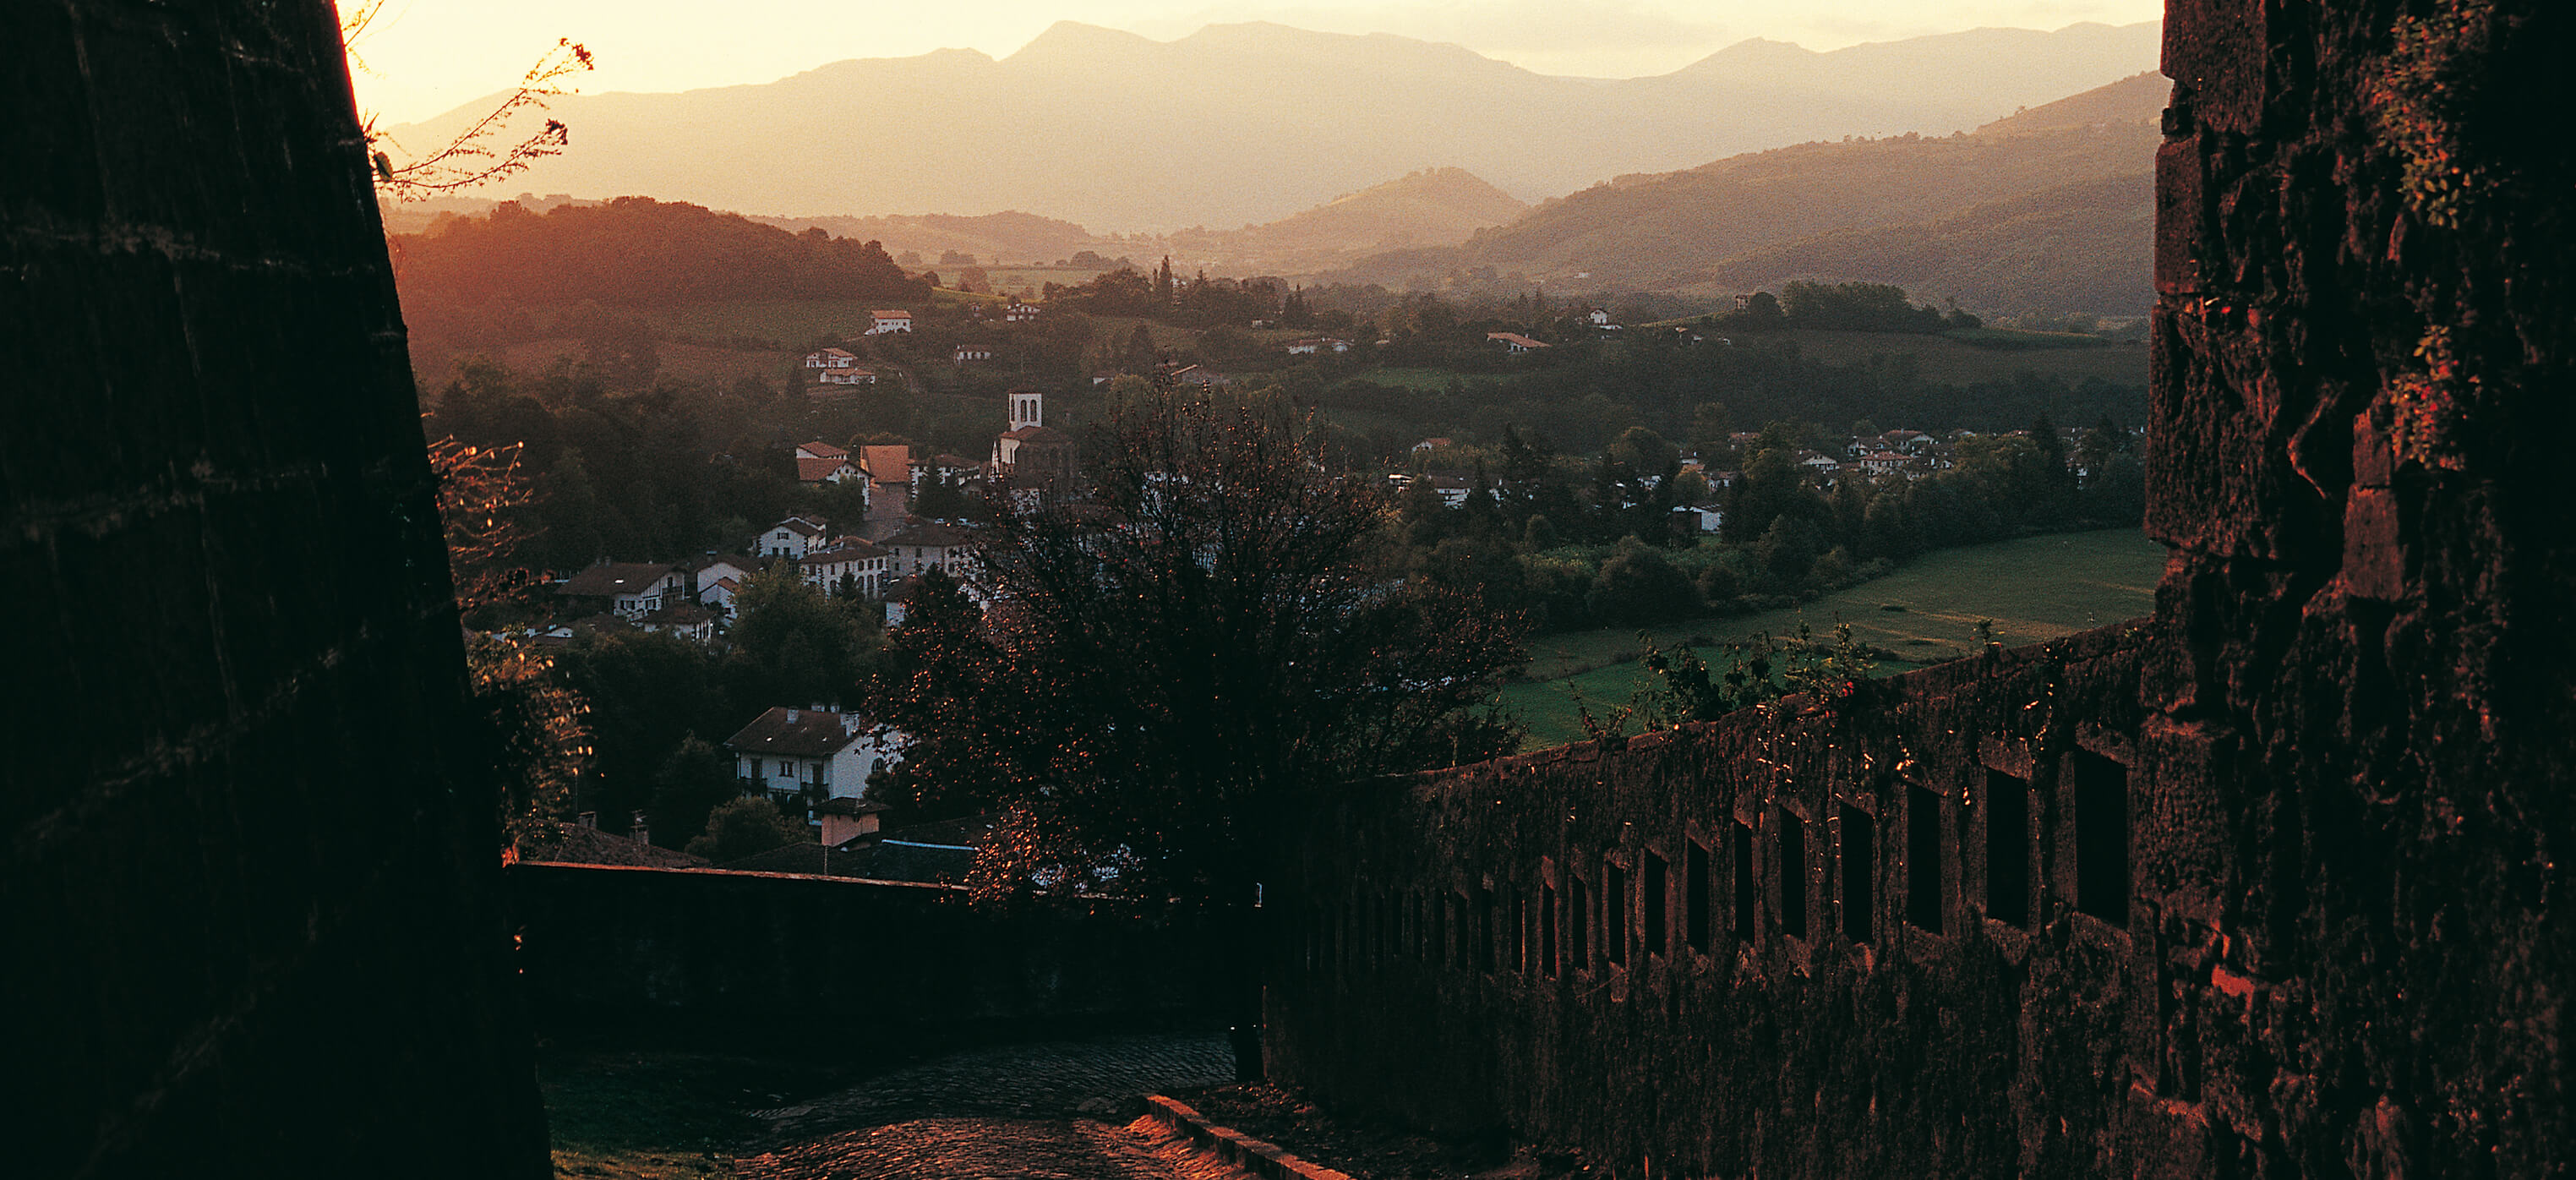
1942, 359
2034, 589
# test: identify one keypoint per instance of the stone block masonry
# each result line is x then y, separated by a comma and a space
1850, 939
2272, 884
250, 899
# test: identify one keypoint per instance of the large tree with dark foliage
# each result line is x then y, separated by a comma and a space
1175, 658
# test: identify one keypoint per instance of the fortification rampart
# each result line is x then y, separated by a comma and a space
1887, 934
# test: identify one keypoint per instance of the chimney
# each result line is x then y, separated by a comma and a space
641, 831
791, 716
587, 819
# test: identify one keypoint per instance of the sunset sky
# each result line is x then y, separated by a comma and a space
422, 57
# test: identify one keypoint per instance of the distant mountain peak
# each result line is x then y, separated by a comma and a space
1075, 37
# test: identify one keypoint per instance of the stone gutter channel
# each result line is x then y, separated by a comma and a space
1257, 1156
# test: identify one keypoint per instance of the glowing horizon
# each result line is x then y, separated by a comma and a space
419, 60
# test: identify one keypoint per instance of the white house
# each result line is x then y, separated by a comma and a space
1599, 317
1021, 313
918, 548
714, 578
719, 595
629, 590
826, 359
848, 557
1514, 341
821, 462
853, 375
791, 537
811, 755
972, 352
1317, 344
882, 322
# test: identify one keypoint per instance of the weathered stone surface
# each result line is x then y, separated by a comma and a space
250, 897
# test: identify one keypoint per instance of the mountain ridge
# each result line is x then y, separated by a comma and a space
1250, 123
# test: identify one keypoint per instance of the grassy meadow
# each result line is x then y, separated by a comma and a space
2034, 589
1940, 358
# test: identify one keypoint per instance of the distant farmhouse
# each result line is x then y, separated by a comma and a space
1514, 341
628, 590
882, 322
821, 462
812, 759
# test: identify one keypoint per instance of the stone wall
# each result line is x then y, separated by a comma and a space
1864, 937
832, 965
2334, 937
250, 900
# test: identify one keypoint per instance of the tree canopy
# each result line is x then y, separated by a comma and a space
1173, 659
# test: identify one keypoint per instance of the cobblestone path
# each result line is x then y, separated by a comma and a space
1055, 1110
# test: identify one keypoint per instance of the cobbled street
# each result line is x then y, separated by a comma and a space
1053, 1110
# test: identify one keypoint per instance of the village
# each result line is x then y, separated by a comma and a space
919, 513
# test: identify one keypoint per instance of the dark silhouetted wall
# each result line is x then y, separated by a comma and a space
833, 965
249, 904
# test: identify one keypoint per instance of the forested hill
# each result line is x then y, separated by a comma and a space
2085, 247
634, 252
1808, 211
990, 237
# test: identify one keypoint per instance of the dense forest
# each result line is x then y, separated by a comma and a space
633, 252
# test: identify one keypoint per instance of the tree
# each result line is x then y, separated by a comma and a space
694, 781
1177, 658
802, 647
533, 730
469, 159
741, 827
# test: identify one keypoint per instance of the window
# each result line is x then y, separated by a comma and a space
1695, 895
1547, 929
1614, 913
2007, 849
1923, 859
1860, 872
1516, 956
1793, 875
1653, 902
2102, 838
1485, 933
1747, 894
1578, 924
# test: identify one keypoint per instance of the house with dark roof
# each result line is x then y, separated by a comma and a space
862, 563
921, 546
629, 590
792, 537
808, 757
584, 844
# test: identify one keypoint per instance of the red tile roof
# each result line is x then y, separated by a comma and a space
818, 470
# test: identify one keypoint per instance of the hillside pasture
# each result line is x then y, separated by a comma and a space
2034, 589
1942, 359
